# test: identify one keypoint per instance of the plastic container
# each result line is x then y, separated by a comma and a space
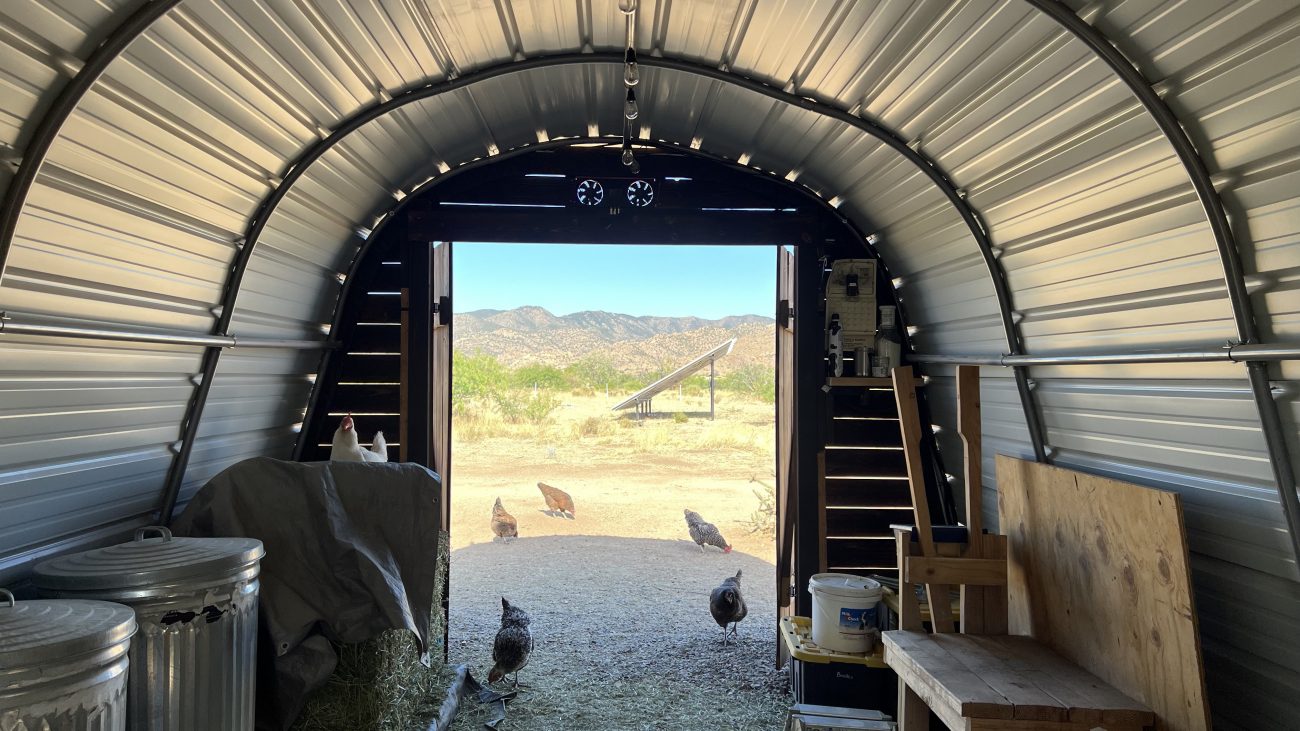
845, 613
193, 663
845, 684
63, 664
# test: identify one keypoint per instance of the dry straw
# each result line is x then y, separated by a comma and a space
381, 684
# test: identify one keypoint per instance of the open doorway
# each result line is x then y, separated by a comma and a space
548, 341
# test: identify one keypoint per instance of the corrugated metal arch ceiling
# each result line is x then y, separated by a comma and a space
140, 210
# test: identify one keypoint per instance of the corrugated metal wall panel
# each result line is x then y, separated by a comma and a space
257, 398
1199, 438
1251, 675
38, 40
85, 432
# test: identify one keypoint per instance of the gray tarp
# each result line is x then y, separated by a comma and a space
351, 551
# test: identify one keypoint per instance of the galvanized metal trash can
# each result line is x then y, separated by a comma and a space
194, 660
63, 664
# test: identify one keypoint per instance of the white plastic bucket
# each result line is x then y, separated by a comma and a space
844, 611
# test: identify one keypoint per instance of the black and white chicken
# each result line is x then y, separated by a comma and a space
347, 447
727, 605
703, 532
513, 644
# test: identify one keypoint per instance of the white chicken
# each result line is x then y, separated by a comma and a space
347, 448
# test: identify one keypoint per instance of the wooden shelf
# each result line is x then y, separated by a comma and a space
860, 381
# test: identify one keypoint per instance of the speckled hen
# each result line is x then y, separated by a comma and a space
703, 532
513, 644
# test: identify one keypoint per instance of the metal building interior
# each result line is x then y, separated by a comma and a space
1096, 201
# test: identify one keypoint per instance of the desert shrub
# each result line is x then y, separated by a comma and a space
476, 376
594, 426
763, 519
754, 380
679, 417
541, 376
523, 407
594, 372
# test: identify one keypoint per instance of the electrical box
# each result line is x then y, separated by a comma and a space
851, 294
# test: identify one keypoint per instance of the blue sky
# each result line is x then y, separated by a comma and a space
671, 281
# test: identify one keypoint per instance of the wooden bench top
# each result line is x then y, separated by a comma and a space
970, 680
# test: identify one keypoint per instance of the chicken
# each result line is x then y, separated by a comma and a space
703, 532
727, 605
513, 644
557, 500
504, 525
347, 448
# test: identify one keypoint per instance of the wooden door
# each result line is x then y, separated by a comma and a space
440, 399
785, 506
440, 373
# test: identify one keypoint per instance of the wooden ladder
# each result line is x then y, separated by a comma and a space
862, 483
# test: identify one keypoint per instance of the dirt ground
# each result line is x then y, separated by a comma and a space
619, 595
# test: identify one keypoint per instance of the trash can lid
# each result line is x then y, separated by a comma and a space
147, 562
35, 632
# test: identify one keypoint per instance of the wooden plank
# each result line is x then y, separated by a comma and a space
909, 610
404, 379
859, 381
1006, 674
1088, 698
785, 454
949, 687
968, 426
439, 394
1002, 724
1006, 677
821, 511
994, 621
942, 570
1099, 572
910, 424
913, 713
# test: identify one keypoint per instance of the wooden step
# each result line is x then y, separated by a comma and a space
864, 463
861, 523
370, 368
846, 553
365, 398
860, 493
864, 432
863, 403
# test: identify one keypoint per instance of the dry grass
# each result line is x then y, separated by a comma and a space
381, 684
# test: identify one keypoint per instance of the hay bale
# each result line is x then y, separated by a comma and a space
381, 684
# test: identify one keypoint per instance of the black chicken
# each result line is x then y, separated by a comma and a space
727, 605
513, 644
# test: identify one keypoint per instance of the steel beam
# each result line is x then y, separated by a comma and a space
1209, 354
123, 333
1234, 277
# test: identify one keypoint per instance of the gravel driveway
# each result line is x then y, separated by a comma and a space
623, 635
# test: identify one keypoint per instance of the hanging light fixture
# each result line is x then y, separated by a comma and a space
630, 109
631, 77
631, 71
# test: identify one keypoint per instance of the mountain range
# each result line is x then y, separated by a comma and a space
634, 344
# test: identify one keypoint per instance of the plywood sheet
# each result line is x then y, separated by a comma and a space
1099, 572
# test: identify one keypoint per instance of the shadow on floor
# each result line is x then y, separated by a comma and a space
623, 636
